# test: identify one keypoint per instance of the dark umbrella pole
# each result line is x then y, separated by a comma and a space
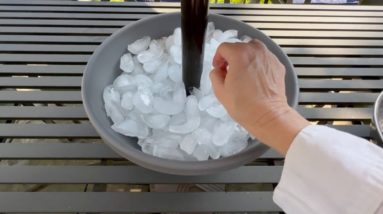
193, 24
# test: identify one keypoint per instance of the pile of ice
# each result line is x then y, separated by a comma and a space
148, 101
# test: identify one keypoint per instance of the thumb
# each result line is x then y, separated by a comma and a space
217, 77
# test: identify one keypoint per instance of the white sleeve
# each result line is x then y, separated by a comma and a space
329, 171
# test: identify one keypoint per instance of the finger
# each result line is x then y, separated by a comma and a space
219, 62
224, 54
217, 77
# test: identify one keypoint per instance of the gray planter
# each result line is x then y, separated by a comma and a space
103, 68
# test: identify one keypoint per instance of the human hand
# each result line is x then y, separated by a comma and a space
249, 81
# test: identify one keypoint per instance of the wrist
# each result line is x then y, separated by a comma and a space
278, 128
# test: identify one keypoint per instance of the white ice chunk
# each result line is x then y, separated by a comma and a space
147, 148
156, 121
229, 34
169, 43
127, 63
192, 115
143, 101
201, 153
114, 112
124, 83
188, 144
178, 36
127, 101
218, 35
206, 102
154, 52
246, 38
178, 119
203, 136
222, 133
175, 73
176, 54
171, 107
167, 107
210, 28
131, 128
162, 73
238, 142
217, 111
142, 81
233, 40
138, 69
191, 125
153, 65
168, 153
111, 95
139, 45
163, 88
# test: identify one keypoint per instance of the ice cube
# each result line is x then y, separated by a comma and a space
127, 63
114, 112
178, 119
246, 38
179, 94
178, 36
213, 151
201, 153
156, 121
210, 28
167, 107
168, 153
192, 115
208, 122
163, 88
111, 95
203, 136
124, 83
176, 54
131, 128
175, 73
233, 40
229, 34
167, 140
217, 111
127, 101
142, 81
172, 106
214, 45
217, 35
190, 125
162, 73
188, 144
152, 66
222, 133
147, 148
169, 43
205, 81
238, 142
143, 101
154, 52
206, 102
139, 45
138, 69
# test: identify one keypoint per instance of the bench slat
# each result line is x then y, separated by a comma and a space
136, 202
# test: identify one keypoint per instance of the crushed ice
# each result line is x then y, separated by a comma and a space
148, 101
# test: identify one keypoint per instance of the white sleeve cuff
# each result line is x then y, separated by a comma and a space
332, 172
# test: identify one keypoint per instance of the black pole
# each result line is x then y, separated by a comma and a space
193, 24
